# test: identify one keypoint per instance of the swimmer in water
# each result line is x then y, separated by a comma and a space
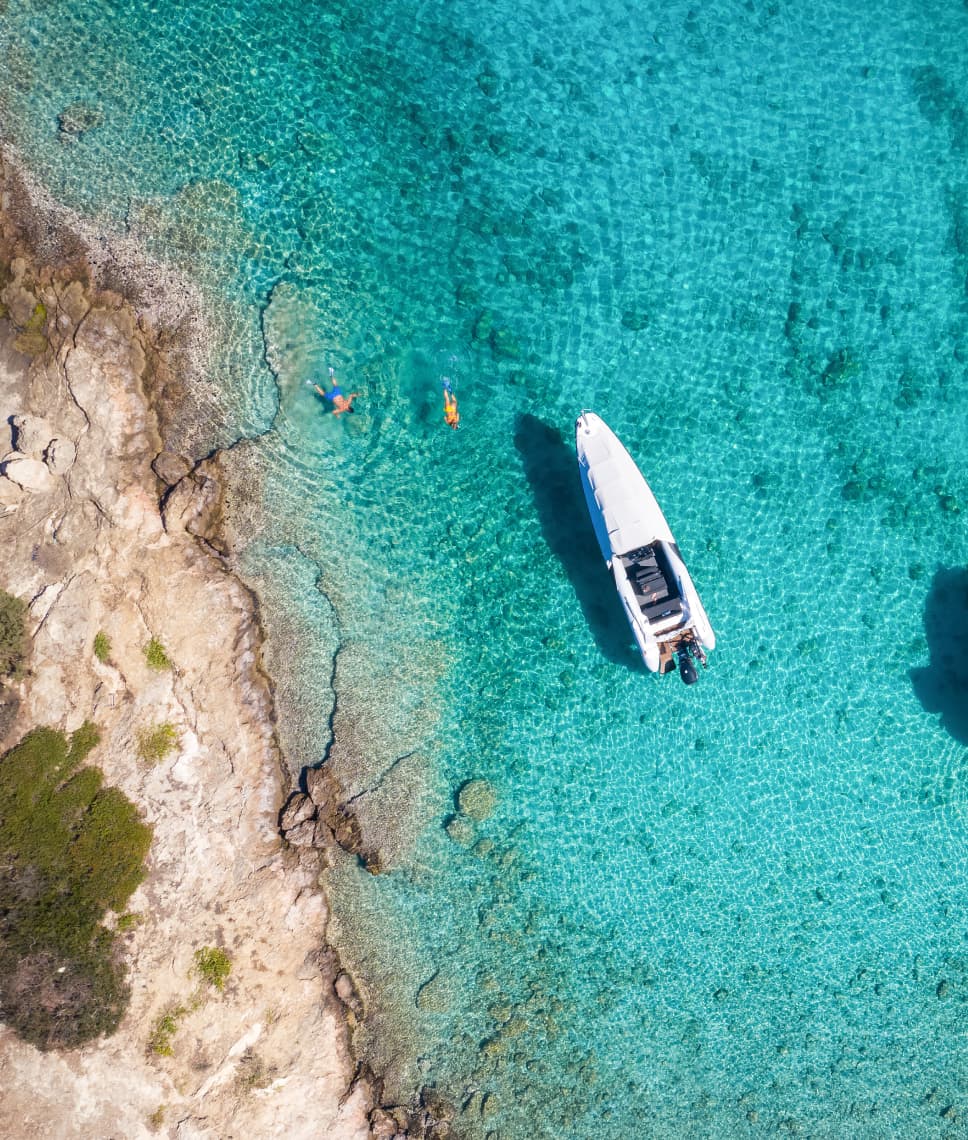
341, 403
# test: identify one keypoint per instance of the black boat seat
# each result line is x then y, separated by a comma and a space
666, 608
653, 587
643, 572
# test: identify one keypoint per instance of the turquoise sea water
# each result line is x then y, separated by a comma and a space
739, 232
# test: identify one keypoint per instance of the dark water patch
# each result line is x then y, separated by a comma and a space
942, 687
551, 469
939, 103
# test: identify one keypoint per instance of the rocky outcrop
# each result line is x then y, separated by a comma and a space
365, 824
37, 460
432, 1118
28, 474
194, 503
86, 544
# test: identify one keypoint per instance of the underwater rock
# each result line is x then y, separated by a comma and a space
840, 367
467, 294
483, 326
489, 1105
77, 119
437, 1105
635, 320
460, 830
504, 344
949, 503
499, 144
435, 995
348, 994
477, 799
488, 82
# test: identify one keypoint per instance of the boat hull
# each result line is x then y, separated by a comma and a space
657, 593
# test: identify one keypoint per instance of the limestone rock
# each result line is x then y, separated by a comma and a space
346, 991
218, 875
11, 495
321, 786
195, 503
382, 1125
323, 836
30, 474
477, 799
170, 467
31, 435
298, 809
302, 834
60, 455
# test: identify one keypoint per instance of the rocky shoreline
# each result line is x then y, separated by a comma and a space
107, 532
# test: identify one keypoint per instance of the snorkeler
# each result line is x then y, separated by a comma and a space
335, 395
451, 414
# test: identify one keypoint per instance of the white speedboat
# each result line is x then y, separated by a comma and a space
668, 621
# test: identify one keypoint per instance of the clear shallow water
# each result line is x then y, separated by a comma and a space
739, 234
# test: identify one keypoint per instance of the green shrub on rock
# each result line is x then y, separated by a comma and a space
70, 849
213, 966
32, 341
164, 1029
156, 742
13, 636
102, 646
156, 656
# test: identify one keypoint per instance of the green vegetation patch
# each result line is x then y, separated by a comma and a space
70, 850
13, 636
32, 341
102, 646
156, 656
165, 1029
155, 743
213, 966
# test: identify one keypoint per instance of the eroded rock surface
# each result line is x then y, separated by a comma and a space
85, 544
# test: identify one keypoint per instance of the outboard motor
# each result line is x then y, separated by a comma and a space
687, 670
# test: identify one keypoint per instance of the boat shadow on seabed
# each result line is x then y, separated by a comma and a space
942, 687
549, 466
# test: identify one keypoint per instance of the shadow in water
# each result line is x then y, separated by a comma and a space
942, 687
552, 472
